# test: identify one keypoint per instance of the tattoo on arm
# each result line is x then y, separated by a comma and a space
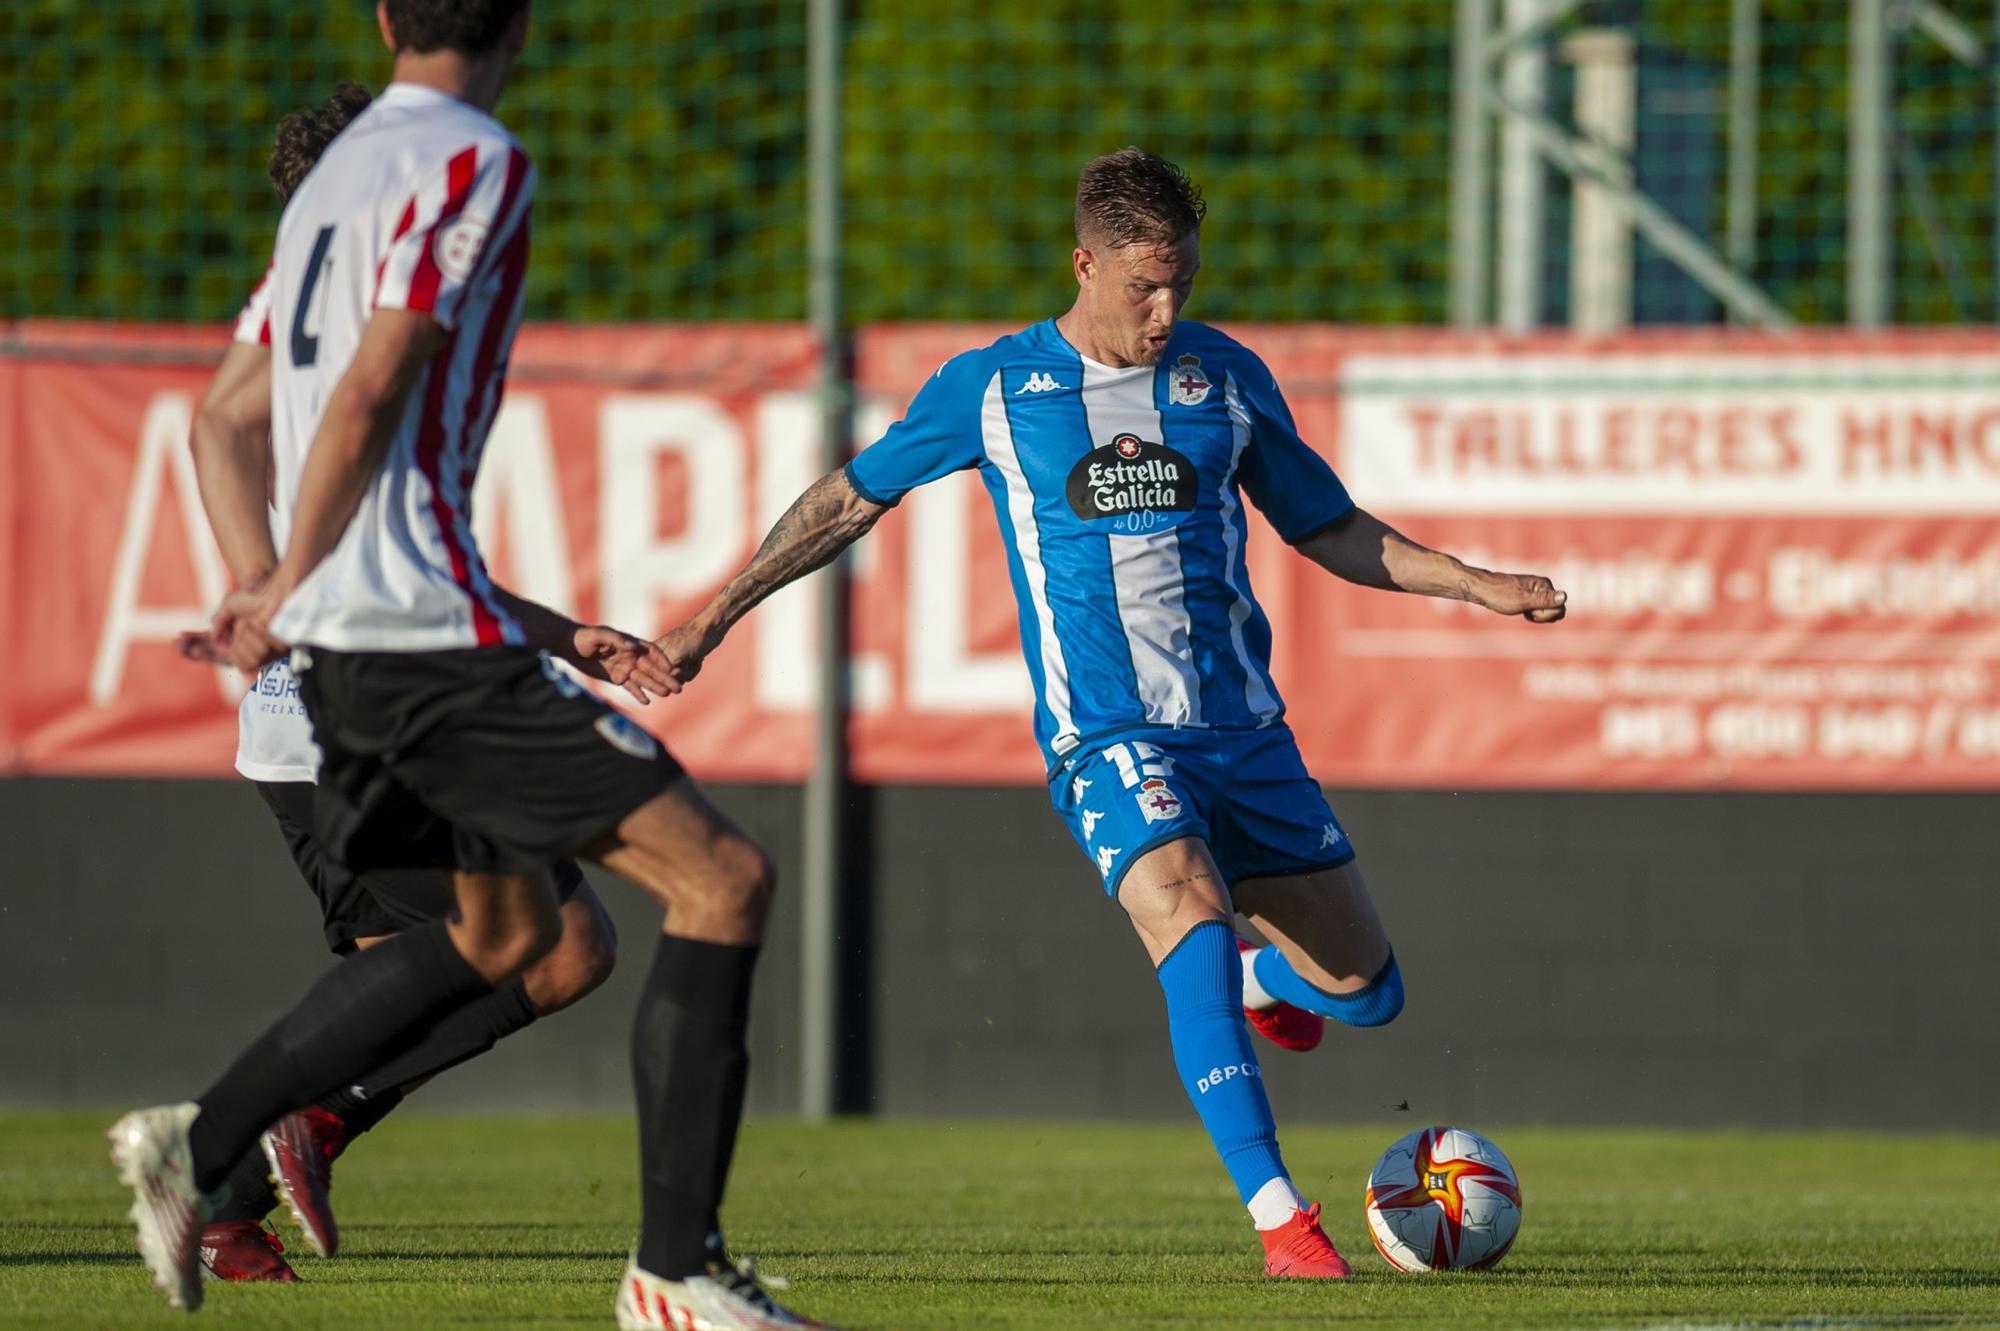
822, 522
1189, 881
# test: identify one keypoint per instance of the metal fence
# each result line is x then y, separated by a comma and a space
1795, 144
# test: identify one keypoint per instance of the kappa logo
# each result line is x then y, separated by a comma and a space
1157, 802
1187, 386
1331, 835
1078, 786
1091, 818
1105, 855
1040, 383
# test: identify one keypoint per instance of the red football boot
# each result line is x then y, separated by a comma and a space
244, 1250
1285, 1026
301, 1148
1299, 1249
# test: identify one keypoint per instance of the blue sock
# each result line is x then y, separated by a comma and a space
1203, 980
1374, 1004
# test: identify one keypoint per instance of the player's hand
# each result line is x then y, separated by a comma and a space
633, 664
198, 645
1526, 594
242, 628
685, 648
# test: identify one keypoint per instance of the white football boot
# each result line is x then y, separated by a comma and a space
730, 1297
150, 1148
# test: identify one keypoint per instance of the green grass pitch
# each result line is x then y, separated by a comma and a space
906, 1225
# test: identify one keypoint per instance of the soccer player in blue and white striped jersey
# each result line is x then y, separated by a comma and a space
1118, 443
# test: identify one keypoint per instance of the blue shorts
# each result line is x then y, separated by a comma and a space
1245, 792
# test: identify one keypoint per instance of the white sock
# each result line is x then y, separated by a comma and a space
1274, 1203
1254, 996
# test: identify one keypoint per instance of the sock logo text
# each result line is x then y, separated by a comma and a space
1217, 1076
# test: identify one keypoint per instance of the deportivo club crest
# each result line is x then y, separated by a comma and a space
1186, 384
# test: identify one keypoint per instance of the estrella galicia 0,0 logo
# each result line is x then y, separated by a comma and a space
1134, 484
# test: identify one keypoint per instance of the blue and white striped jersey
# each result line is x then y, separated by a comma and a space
1118, 497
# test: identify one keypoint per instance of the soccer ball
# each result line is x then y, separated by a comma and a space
1443, 1199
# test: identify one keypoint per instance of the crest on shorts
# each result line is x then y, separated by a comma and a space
1158, 802
1186, 384
621, 732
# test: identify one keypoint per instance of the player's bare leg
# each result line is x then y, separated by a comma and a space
1183, 913
1170, 890
1332, 955
714, 881
581, 960
505, 922
690, 1061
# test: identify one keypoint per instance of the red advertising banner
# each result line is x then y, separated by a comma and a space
1782, 555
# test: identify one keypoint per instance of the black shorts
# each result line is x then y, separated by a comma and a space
379, 901
522, 763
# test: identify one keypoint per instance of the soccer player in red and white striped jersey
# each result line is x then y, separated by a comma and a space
232, 452
394, 294
422, 206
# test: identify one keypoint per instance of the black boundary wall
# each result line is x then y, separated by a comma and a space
1782, 960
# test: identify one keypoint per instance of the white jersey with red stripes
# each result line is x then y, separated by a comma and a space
420, 204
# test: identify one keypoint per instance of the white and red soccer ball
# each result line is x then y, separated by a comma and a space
1443, 1199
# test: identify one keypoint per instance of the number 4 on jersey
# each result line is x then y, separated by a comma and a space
305, 346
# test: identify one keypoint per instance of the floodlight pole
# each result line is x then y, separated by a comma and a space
820, 891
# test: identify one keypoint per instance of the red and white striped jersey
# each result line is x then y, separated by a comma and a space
420, 204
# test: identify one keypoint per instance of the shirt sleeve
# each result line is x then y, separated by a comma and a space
455, 228
253, 324
1288, 482
939, 435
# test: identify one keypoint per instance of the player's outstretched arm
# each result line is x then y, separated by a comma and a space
599, 651
826, 519
1363, 549
231, 441
354, 434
